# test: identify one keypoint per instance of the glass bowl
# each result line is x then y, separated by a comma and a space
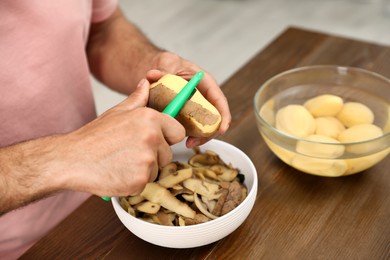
319, 156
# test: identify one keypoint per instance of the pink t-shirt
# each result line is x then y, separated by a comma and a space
45, 88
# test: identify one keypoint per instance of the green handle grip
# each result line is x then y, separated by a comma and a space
174, 107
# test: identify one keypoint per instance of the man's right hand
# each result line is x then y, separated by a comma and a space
122, 150
116, 154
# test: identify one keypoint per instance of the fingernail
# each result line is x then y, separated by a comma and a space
222, 131
195, 142
142, 83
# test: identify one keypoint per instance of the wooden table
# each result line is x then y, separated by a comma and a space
296, 215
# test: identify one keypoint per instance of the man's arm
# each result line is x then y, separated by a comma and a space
28, 171
119, 54
113, 155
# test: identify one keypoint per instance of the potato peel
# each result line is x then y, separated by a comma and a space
187, 194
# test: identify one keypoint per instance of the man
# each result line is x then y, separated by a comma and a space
53, 151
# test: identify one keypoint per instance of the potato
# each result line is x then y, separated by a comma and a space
386, 127
284, 154
295, 120
324, 105
355, 113
267, 112
360, 133
329, 126
322, 167
198, 116
362, 163
316, 146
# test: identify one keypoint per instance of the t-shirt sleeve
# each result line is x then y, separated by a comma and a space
102, 9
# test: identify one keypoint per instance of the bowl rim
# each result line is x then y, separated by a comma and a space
252, 195
342, 69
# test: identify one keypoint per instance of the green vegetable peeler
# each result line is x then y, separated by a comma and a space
174, 107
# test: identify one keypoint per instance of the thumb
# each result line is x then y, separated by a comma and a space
140, 97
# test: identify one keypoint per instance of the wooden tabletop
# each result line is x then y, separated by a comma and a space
296, 215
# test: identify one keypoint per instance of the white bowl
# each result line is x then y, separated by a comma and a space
205, 233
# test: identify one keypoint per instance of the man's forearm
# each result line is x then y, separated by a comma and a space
26, 173
119, 54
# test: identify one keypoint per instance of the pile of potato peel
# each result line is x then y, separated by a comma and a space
202, 189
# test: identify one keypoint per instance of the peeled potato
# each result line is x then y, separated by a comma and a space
359, 133
324, 105
267, 112
198, 116
365, 162
321, 167
386, 128
354, 113
329, 126
315, 146
295, 120
284, 154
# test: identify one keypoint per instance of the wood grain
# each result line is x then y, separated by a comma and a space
296, 216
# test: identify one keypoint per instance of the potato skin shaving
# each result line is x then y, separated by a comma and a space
203, 189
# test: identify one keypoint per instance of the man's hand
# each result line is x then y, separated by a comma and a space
114, 155
119, 54
123, 149
167, 62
